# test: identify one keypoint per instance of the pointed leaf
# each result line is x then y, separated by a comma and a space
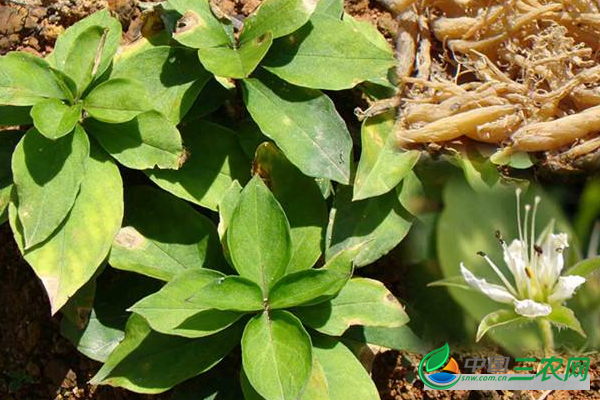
54, 119
584, 267
497, 319
163, 236
276, 355
361, 302
230, 293
84, 56
152, 351
400, 338
238, 62
117, 100
564, 317
199, 27
312, 286
259, 236
66, 43
215, 161
382, 165
172, 76
387, 224
72, 254
302, 201
328, 53
26, 79
146, 141
346, 377
303, 123
280, 17
47, 175
170, 310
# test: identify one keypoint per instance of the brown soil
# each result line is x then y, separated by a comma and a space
36, 362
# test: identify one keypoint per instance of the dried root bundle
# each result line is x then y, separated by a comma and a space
520, 74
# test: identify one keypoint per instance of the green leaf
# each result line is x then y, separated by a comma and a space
47, 175
199, 27
436, 358
332, 8
280, 17
302, 202
5, 192
401, 338
382, 164
227, 207
310, 286
276, 355
237, 62
152, 352
117, 100
564, 317
303, 123
66, 43
230, 293
71, 256
26, 79
497, 319
15, 115
147, 141
215, 161
163, 236
379, 222
328, 53
171, 311
105, 327
345, 376
584, 267
361, 302
54, 119
172, 76
259, 236
84, 56
479, 171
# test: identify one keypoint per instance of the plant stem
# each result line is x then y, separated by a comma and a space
547, 335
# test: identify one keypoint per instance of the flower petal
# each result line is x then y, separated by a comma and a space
495, 292
515, 257
532, 309
552, 260
565, 287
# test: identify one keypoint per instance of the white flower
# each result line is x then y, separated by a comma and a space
536, 267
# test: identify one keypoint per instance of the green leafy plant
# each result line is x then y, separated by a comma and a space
83, 107
287, 317
280, 57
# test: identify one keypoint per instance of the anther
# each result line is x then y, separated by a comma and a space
481, 253
538, 249
499, 237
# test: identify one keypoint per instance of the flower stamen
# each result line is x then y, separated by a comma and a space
508, 285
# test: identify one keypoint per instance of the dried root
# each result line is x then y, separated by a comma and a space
523, 75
